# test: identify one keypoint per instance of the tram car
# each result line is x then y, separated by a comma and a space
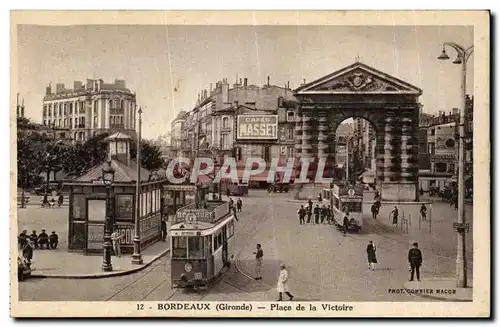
344, 198
202, 244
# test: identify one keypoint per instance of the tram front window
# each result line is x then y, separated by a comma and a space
179, 247
196, 247
352, 206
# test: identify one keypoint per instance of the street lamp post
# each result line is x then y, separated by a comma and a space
137, 256
461, 227
108, 176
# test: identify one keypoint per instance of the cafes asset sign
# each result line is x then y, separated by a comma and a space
257, 127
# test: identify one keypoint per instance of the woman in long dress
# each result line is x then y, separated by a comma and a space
282, 286
372, 258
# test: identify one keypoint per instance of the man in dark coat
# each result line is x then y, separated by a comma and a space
374, 211
53, 240
34, 238
395, 214
302, 215
346, 222
239, 204
43, 238
372, 258
415, 260
423, 212
316, 214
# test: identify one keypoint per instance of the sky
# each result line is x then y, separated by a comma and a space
155, 60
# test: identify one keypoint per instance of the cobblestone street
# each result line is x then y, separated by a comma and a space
323, 264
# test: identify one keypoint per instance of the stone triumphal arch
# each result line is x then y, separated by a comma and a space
389, 104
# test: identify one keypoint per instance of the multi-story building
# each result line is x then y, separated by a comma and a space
438, 147
364, 136
91, 108
218, 125
176, 133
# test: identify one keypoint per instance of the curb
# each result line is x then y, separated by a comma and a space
104, 275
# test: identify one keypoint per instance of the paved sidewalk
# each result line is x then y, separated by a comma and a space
62, 264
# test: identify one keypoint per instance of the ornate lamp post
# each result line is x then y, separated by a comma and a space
461, 226
108, 176
137, 257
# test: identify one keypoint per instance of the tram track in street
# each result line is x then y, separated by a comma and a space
250, 226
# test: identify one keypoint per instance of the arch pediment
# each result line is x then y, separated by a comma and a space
358, 78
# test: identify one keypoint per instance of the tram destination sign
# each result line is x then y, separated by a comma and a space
257, 127
192, 216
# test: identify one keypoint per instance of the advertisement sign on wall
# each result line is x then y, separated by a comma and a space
257, 127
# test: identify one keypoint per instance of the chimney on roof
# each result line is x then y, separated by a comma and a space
77, 85
48, 89
59, 87
245, 82
268, 80
288, 85
241, 81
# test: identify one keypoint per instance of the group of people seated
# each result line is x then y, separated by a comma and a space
38, 241
52, 203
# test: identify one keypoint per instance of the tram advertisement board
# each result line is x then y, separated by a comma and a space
192, 216
348, 190
257, 127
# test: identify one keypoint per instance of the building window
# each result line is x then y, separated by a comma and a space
44, 122
440, 167
225, 141
60, 109
95, 107
291, 133
432, 148
44, 111
65, 122
121, 104
433, 131
65, 109
95, 121
76, 122
225, 122
70, 123
71, 108
121, 120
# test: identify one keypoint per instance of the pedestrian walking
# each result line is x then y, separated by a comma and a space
258, 261
60, 200
415, 259
329, 214
282, 286
309, 213
239, 204
345, 224
53, 240
302, 215
316, 214
372, 257
115, 239
395, 214
374, 211
163, 230
423, 212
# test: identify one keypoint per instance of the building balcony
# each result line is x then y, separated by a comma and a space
117, 126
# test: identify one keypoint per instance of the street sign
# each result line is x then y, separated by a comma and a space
462, 227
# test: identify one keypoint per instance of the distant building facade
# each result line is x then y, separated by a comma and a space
439, 146
90, 109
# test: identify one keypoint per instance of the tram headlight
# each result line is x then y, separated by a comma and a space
188, 267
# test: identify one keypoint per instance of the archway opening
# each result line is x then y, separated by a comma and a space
355, 152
